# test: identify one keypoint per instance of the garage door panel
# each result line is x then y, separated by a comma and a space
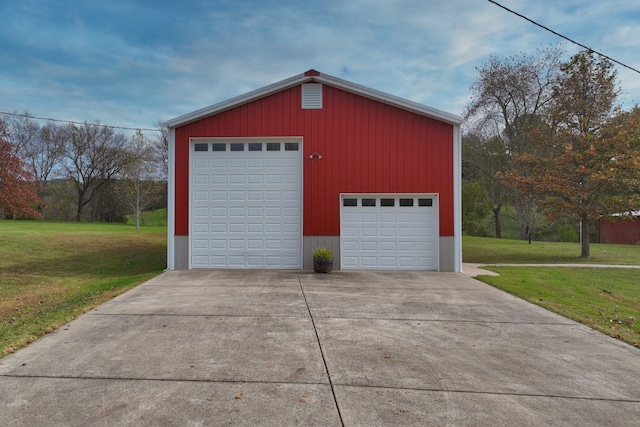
367, 231
409, 232
273, 195
255, 244
273, 179
387, 218
235, 228
387, 246
218, 180
200, 260
236, 196
388, 232
218, 196
201, 243
255, 228
200, 228
255, 196
388, 262
291, 179
217, 227
236, 163
237, 180
201, 164
218, 244
369, 217
216, 212
255, 179
349, 246
201, 196
255, 163
407, 246
201, 212
369, 246
273, 228
255, 261
288, 213
200, 179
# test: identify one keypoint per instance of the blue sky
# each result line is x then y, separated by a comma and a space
134, 62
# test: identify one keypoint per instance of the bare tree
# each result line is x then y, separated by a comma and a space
94, 155
139, 188
43, 153
160, 144
508, 97
21, 128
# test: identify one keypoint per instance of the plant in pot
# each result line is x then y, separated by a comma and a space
322, 260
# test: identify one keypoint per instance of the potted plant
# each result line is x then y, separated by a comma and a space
322, 260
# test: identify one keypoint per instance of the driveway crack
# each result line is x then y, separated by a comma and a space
324, 360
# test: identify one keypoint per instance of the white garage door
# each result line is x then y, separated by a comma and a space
389, 232
246, 204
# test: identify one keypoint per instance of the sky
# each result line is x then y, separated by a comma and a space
133, 63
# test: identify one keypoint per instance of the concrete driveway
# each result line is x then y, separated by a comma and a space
280, 348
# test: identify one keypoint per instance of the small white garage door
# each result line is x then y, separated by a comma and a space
389, 232
246, 204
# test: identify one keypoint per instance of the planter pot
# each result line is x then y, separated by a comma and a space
322, 265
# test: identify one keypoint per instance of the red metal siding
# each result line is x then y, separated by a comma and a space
366, 146
624, 232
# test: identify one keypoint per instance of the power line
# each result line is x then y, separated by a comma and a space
77, 123
563, 36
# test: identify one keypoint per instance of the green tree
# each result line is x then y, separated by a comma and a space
577, 168
484, 160
475, 208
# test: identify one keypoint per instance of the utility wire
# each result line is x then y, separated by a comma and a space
76, 123
564, 37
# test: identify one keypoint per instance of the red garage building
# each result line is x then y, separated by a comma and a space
623, 229
259, 180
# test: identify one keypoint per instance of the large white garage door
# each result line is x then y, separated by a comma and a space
246, 204
389, 232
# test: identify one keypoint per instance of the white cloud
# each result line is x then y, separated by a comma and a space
159, 61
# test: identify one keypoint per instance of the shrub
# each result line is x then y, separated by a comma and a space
322, 252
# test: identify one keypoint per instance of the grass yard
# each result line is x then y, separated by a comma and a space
605, 299
157, 218
51, 272
486, 250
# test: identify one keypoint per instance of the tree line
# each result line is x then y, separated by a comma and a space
547, 140
79, 172
545, 143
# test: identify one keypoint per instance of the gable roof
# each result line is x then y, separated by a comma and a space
313, 76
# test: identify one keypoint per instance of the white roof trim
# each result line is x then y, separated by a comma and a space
320, 78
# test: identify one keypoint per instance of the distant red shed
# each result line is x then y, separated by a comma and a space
259, 180
621, 231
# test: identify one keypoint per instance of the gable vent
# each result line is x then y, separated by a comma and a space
312, 96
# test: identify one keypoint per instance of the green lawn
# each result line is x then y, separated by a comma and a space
52, 272
486, 250
605, 299
157, 218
